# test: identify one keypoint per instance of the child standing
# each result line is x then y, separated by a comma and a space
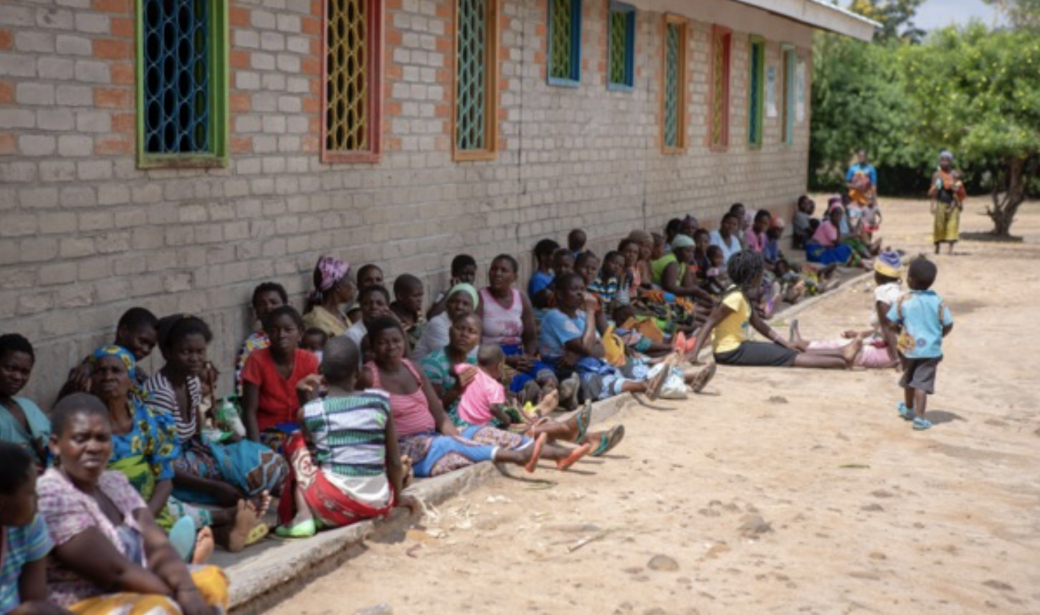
922, 320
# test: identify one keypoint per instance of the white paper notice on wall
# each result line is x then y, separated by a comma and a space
799, 91
771, 91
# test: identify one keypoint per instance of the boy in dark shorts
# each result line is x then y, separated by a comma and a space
922, 320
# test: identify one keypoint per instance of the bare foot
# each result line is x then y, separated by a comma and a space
261, 503
203, 547
245, 519
536, 453
851, 350
407, 473
549, 402
564, 464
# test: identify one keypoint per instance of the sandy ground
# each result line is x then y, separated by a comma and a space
782, 491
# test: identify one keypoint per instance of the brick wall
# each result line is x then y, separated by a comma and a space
85, 234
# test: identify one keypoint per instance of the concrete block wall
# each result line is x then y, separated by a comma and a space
85, 234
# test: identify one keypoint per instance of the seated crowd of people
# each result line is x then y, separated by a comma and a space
140, 476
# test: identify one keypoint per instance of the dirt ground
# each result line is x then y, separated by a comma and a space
781, 491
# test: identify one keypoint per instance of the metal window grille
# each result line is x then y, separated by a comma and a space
472, 66
672, 85
564, 41
177, 76
621, 45
787, 100
720, 88
347, 85
756, 86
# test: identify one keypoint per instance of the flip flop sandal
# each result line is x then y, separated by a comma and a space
609, 440
305, 529
906, 413
259, 532
920, 424
657, 382
182, 537
703, 377
584, 418
564, 464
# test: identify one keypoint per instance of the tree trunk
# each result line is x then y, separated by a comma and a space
1005, 204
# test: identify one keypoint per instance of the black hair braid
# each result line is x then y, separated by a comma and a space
743, 268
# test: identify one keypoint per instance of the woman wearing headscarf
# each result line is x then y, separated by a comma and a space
462, 299
947, 193
332, 288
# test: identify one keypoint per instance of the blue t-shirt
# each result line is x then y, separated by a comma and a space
558, 329
22, 545
923, 317
539, 282
867, 169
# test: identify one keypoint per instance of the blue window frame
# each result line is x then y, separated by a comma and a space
621, 47
564, 54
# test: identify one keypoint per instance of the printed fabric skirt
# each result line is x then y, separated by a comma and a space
137, 470
211, 581
947, 223
329, 504
433, 454
840, 254
249, 466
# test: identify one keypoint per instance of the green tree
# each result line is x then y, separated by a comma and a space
1021, 14
977, 92
895, 16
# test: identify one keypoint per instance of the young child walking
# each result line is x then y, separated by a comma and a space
922, 320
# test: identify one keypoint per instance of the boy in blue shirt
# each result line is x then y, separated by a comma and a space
922, 320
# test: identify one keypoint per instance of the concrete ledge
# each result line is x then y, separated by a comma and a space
274, 570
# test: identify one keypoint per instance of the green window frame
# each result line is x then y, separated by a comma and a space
475, 113
621, 46
756, 89
182, 88
352, 81
789, 58
564, 41
718, 120
673, 85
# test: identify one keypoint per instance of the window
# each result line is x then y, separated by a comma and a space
181, 83
787, 117
621, 47
718, 128
565, 42
756, 89
673, 92
476, 79
352, 74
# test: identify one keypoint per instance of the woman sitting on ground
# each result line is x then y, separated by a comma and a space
24, 541
462, 300
332, 289
345, 462
729, 322
145, 448
206, 471
21, 420
266, 297
269, 397
879, 348
825, 246
570, 342
109, 554
426, 434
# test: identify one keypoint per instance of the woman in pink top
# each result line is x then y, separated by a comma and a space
825, 246
426, 434
756, 235
507, 315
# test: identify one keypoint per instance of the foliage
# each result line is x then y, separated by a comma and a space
977, 92
1021, 14
895, 16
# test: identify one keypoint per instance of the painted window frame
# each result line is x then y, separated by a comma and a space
491, 68
218, 156
789, 64
720, 34
680, 132
756, 106
574, 79
374, 48
630, 14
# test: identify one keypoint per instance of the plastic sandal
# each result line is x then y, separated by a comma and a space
920, 424
609, 440
584, 418
906, 413
182, 537
259, 531
305, 529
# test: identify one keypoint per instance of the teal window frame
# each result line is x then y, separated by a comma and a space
790, 60
627, 84
475, 106
217, 153
756, 90
572, 80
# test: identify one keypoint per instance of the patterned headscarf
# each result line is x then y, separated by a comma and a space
468, 289
889, 264
946, 154
332, 270
128, 360
682, 241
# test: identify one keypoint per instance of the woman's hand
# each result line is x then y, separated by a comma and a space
465, 378
191, 602
850, 334
590, 302
520, 362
